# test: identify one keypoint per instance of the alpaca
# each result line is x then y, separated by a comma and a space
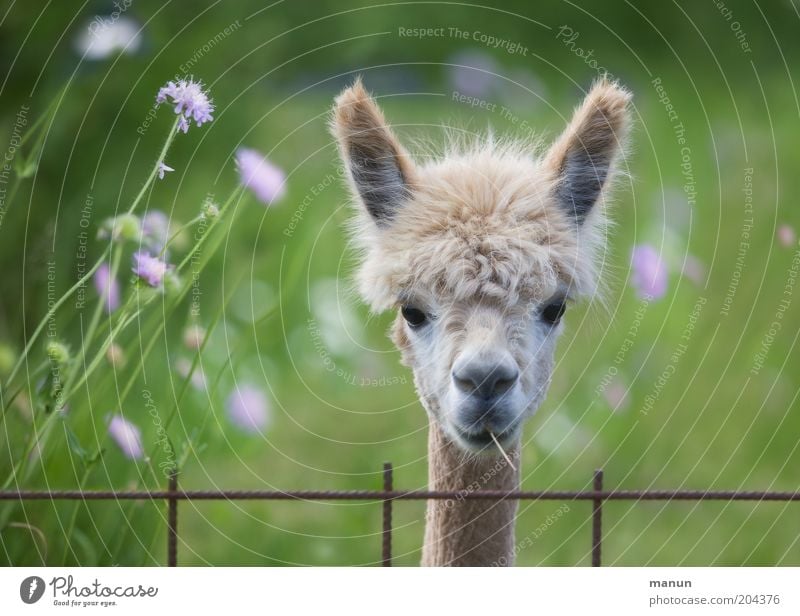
479, 251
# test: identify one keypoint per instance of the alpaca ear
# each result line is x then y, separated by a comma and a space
583, 157
380, 169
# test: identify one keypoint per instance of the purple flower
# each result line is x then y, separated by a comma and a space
127, 437
694, 270
786, 236
266, 180
616, 395
150, 269
155, 230
107, 287
649, 275
183, 366
163, 169
248, 408
473, 72
191, 102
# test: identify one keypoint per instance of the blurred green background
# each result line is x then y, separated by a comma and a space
285, 320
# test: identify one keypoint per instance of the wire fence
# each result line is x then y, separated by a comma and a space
388, 495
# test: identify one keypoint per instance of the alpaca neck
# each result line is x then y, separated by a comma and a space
468, 532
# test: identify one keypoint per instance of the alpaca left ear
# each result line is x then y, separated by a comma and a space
380, 169
583, 157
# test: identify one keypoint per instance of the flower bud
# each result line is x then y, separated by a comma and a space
193, 337
116, 356
57, 352
7, 359
123, 227
172, 282
128, 227
210, 211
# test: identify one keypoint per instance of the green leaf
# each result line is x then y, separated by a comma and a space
86, 546
75, 445
25, 168
98, 453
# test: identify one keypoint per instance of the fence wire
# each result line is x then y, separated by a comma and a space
597, 495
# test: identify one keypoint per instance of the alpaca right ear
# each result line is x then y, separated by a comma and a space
583, 158
379, 167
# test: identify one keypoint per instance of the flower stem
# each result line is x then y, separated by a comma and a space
5, 403
88, 338
39, 435
55, 102
154, 173
49, 314
180, 230
205, 235
181, 394
177, 404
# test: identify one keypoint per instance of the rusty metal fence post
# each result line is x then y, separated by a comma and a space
172, 520
386, 548
388, 495
597, 518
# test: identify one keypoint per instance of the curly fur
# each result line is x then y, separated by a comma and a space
482, 237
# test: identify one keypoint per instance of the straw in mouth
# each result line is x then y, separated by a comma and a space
502, 451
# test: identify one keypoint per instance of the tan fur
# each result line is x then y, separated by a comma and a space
463, 532
479, 226
606, 105
358, 120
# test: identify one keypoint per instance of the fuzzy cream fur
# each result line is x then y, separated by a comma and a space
468, 532
481, 239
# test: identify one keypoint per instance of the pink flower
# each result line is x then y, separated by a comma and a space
649, 275
248, 408
107, 287
193, 337
150, 269
616, 395
786, 236
694, 270
267, 181
127, 437
116, 356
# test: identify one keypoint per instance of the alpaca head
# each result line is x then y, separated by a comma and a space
480, 251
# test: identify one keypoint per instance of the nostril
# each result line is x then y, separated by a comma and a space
505, 382
464, 382
483, 382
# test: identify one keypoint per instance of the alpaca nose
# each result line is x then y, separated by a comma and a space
485, 380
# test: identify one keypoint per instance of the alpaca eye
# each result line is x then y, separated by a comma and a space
552, 313
414, 316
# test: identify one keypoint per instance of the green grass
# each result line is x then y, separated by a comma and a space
713, 426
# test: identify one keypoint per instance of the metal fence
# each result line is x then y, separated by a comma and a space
388, 495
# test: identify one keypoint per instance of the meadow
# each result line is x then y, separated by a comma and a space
692, 386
